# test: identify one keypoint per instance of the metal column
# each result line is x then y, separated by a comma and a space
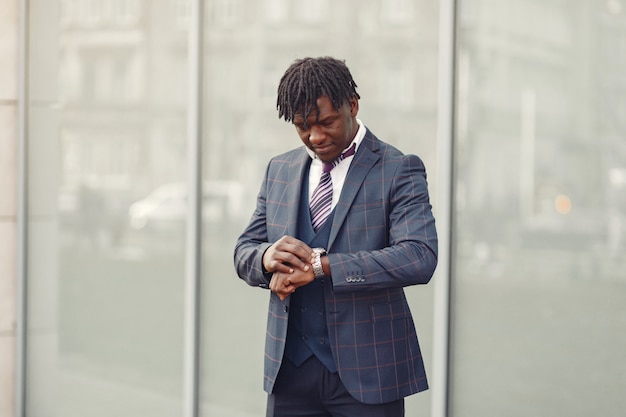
445, 199
194, 219
22, 211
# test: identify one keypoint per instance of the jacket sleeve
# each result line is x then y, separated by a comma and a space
407, 254
253, 243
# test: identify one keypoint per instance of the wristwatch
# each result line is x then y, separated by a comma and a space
318, 272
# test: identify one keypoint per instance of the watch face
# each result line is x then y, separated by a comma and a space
320, 251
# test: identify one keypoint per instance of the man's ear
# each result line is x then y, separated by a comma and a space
354, 106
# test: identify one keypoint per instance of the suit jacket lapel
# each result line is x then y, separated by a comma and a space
363, 161
298, 172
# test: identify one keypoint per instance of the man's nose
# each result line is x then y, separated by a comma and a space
316, 134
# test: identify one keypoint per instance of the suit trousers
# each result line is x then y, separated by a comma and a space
311, 390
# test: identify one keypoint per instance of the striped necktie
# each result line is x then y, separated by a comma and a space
321, 200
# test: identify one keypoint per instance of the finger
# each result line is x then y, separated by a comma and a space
287, 250
285, 292
286, 262
297, 262
275, 283
295, 247
284, 268
301, 250
279, 261
280, 282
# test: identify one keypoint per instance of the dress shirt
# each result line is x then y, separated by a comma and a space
338, 173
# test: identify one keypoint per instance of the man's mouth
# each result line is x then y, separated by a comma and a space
320, 150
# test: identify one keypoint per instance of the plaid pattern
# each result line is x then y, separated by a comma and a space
382, 239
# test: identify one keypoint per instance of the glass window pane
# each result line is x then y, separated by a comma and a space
394, 65
106, 218
539, 288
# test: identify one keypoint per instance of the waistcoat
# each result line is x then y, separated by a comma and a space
307, 332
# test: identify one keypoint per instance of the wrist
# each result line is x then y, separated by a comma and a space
263, 267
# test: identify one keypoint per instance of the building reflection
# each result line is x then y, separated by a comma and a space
539, 133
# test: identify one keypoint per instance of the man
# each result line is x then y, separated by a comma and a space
342, 224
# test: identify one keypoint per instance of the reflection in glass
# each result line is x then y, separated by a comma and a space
106, 127
539, 286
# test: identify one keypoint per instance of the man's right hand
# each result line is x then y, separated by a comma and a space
286, 254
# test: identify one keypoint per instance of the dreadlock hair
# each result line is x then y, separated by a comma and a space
308, 79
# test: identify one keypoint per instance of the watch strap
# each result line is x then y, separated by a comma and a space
318, 271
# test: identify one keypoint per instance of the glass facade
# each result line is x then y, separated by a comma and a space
539, 286
538, 289
106, 216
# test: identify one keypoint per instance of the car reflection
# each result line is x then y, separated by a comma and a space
165, 209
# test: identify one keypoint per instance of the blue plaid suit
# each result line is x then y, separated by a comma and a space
382, 239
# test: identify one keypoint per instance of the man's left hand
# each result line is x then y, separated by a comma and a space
283, 284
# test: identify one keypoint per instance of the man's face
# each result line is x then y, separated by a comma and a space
331, 132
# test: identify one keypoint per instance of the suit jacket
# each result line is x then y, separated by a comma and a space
382, 239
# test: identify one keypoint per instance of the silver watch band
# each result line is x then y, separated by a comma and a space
318, 271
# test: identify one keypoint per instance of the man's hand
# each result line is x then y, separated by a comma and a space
286, 255
284, 284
